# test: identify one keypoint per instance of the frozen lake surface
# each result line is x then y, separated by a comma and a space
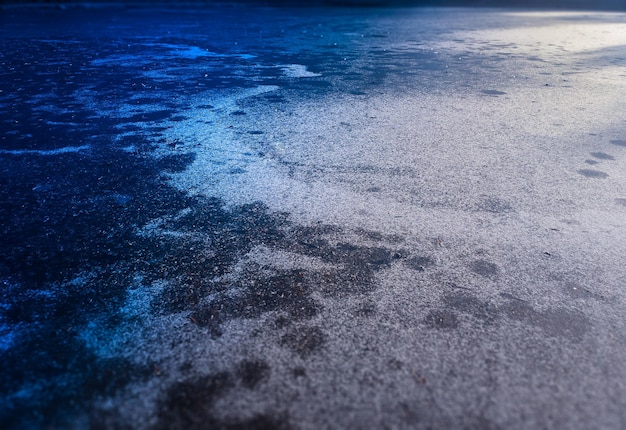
245, 217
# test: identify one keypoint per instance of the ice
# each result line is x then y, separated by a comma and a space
46, 152
432, 208
173, 52
7, 337
298, 71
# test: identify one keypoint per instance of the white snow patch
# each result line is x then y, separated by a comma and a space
298, 71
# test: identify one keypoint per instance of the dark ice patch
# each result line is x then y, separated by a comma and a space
602, 156
469, 304
238, 113
555, 322
589, 173
260, 422
419, 263
618, 142
485, 268
304, 341
493, 92
355, 265
441, 319
592, 162
251, 373
621, 202
178, 118
189, 405
369, 234
284, 290
233, 233
299, 372
355, 255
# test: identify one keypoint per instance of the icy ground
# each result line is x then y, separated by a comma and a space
312, 219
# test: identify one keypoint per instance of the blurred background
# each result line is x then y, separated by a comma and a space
561, 4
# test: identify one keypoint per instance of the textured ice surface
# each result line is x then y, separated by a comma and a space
168, 52
268, 218
44, 152
298, 71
